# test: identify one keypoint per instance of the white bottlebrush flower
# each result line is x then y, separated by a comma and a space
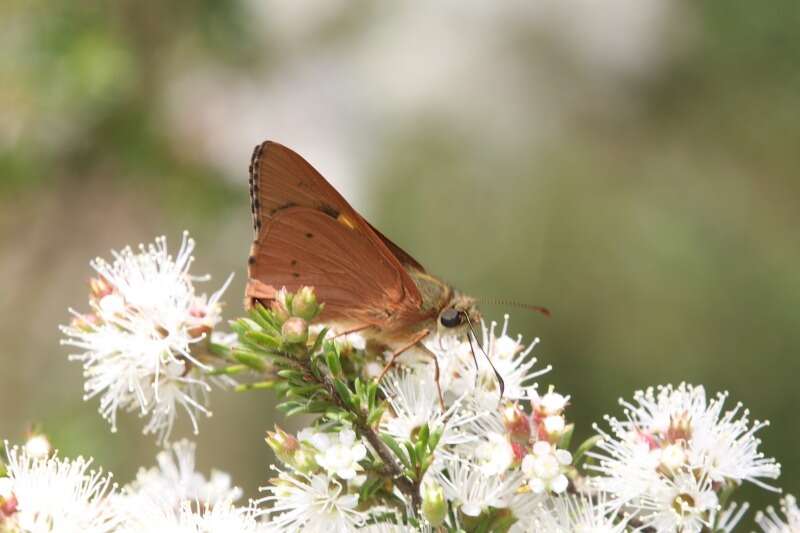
545, 468
575, 514
54, 495
340, 455
772, 522
311, 504
137, 344
175, 480
473, 492
192, 517
667, 431
509, 356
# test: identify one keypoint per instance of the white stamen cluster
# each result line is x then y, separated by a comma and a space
139, 343
674, 452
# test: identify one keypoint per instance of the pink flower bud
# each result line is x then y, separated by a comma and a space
295, 330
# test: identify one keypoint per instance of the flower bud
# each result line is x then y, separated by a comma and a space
38, 447
8, 501
283, 444
304, 304
280, 311
295, 330
434, 506
552, 403
516, 423
554, 425
99, 288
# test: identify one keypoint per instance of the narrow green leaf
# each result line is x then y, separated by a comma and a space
262, 339
318, 341
261, 385
587, 445
228, 370
343, 392
566, 437
396, 449
251, 360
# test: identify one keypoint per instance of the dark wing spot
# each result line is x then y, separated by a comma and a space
251, 260
309, 235
294, 262
329, 210
295, 274
281, 208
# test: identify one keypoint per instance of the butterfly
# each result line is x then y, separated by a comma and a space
306, 234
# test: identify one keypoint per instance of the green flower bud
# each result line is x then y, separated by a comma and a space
283, 444
304, 304
280, 311
295, 330
434, 506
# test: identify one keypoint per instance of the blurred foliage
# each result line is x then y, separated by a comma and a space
664, 239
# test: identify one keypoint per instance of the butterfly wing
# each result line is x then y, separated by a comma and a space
307, 234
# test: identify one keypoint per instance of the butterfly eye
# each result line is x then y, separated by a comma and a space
450, 318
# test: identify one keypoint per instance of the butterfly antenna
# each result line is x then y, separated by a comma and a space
500, 382
536, 308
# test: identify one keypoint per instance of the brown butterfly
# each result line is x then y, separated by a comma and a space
307, 234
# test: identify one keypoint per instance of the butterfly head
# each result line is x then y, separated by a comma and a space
459, 316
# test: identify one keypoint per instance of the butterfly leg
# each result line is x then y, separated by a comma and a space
436, 379
418, 337
353, 330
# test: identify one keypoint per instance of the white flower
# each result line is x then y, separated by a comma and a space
312, 504
508, 355
545, 467
175, 480
465, 485
551, 403
680, 505
414, 401
137, 343
576, 514
340, 458
54, 495
554, 424
38, 447
494, 455
669, 431
192, 517
772, 522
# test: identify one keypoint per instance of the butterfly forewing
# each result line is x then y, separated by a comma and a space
307, 234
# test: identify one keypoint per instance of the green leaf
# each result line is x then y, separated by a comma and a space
395, 447
343, 392
433, 440
228, 370
334, 362
250, 360
587, 445
566, 437
262, 339
318, 341
261, 385
374, 416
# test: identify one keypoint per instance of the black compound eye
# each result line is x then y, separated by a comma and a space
450, 318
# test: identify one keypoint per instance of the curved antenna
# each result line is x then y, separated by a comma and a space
500, 382
536, 308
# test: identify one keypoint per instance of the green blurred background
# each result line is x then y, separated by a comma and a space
633, 165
